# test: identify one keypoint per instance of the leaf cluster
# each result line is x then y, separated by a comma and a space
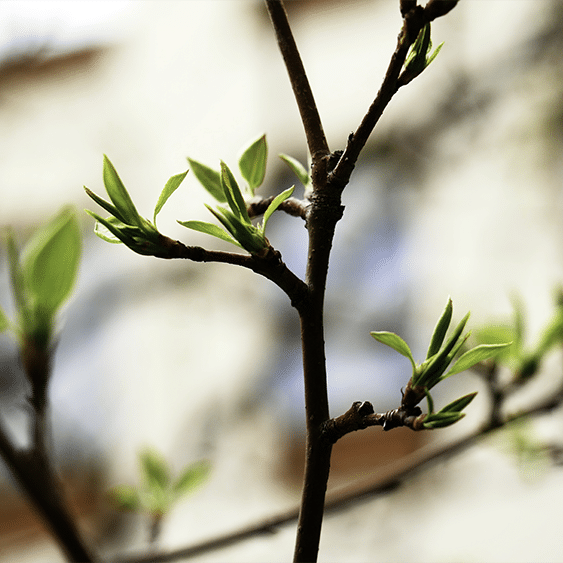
434, 369
420, 56
524, 360
158, 491
125, 225
237, 227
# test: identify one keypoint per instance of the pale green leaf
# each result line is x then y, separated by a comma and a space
170, 187
440, 330
478, 354
210, 179
275, 204
4, 321
396, 342
119, 195
252, 163
298, 169
193, 476
459, 404
155, 470
209, 229
51, 259
234, 196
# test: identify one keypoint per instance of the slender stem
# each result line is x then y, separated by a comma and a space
316, 140
32, 472
412, 24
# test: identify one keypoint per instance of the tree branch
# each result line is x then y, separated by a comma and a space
33, 473
316, 140
347, 496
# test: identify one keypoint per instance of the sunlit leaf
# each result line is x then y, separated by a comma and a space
278, 200
210, 179
51, 259
252, 163
155, 470
442, 421
119, 195
233, 194
209, 229
170, 187
396, 342
440, 330
459, 404
478, 354
298, 169
109, 207
193, 476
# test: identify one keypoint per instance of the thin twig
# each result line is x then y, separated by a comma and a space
316, 140
348, 496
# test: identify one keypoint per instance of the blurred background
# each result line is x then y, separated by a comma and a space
458, 193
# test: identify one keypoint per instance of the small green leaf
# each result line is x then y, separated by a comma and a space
156, 473
478, 354
103, 232
119, 195
170, 187
209, 229
396, 342
440, 330
125, 497
4, 321
275, 204
459, 404
109, 207
50, 261
436, 367
252, 163
193, 476
298, 169
234, 196
442, 421
210, 179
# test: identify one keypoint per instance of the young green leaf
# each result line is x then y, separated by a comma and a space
156, 473
209, 229
109, 207
102, 231
440, 330
396, 342
193, 476
125, 497
50, 261
4, 321
437, 420
252, 163
210, 179
436, 367
478, 354
233, 194
170, 187
298, 169
275, 204
119, 195
459, 404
